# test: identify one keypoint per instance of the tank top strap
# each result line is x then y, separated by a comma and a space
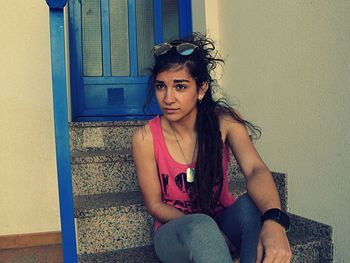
158, 137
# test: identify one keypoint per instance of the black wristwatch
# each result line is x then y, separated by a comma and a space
278, 216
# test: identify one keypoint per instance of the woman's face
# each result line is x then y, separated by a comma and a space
177, 93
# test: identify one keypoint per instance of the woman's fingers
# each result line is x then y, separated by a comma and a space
277, 256
260, 252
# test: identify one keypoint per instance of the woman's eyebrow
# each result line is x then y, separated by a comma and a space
181, 80
175, 81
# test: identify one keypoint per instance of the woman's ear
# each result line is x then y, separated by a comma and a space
202, 90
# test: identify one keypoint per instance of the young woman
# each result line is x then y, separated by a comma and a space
181, 162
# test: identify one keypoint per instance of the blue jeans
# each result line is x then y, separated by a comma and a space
198, 238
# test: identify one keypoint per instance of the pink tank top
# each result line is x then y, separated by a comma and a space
172, 176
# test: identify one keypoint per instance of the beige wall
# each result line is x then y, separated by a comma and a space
288, 67
28, 181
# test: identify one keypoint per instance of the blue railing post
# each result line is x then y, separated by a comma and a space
59, 92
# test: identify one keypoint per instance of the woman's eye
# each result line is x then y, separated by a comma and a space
159, 86
180, 87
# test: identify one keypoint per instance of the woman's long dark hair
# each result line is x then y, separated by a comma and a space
209, 178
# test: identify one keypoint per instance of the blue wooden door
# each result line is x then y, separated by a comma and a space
111, 45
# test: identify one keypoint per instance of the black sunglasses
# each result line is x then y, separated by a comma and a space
184, 49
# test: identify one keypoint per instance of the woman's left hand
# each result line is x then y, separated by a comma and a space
273, 246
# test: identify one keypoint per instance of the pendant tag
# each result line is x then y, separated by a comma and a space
190, 175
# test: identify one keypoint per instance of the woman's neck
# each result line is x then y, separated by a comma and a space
185, 127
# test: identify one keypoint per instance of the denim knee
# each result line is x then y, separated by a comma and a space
192, 238
200, 225
204, 240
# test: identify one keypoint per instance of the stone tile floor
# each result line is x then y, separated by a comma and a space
42, 254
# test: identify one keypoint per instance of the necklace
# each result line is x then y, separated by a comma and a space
190, 172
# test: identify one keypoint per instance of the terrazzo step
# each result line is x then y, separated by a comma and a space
144, 254
102, 136
106, 222
109, 210
310, 243
98, 172
111, 221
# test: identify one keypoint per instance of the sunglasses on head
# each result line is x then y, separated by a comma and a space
184, 49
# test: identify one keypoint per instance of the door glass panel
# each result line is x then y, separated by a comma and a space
91, 37
118, 10
115, 96
171, 25
145, 35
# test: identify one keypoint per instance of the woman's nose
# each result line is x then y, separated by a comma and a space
169, 97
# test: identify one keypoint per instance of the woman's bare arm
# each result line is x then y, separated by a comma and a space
147, 176
273, 244
260, 184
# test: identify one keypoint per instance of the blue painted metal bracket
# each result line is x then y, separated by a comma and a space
56, 4
59, 90
158, 21
185, 8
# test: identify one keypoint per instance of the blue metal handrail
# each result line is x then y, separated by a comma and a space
59, 90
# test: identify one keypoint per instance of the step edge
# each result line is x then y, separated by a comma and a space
93, 124
101, 156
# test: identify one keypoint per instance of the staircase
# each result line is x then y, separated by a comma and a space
112, 223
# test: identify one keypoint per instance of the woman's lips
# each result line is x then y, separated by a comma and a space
170, 110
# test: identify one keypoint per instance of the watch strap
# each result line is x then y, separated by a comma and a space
278, 216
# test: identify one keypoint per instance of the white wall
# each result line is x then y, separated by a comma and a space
28, 181
288, 67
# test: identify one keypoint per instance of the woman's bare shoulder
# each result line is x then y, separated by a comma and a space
142, 136
228, 118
